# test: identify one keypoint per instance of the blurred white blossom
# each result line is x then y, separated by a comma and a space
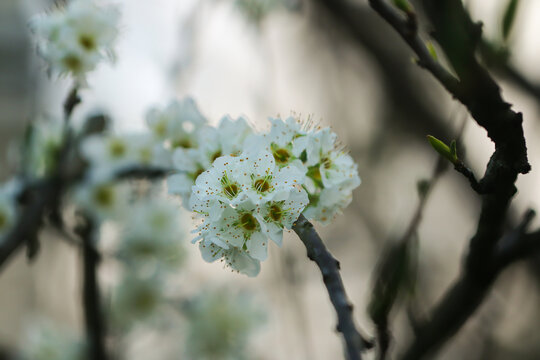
44, 341
227, 139
136, 299
177, 124
74, 38
110, 153
151, 234
103, 200
44, 143
220, 323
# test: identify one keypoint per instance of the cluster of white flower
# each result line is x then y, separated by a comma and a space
245, 201
192, 143
258, 185
330, 173
150, 246
220, 324
75, 38
152, 235
108, 154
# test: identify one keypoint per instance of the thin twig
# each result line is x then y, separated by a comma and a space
329, 267
463, 169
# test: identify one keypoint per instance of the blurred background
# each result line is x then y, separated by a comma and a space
339, 63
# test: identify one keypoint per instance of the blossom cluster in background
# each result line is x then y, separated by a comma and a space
76, 37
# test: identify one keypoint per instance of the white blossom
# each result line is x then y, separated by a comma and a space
44, 144
102, 200
332, 176
227, 139
245, 201
136, 299
151, 234
220, 323
75, 38
327, 173
285, 141
177, 124
107, 154
237, 259
44, 341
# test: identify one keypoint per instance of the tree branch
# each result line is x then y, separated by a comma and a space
38, 197
42, 196
459, 37
93, 315
329, 267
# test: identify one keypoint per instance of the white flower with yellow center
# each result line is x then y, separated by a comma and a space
332, 176
102, 200
227, 139
151, 234
220, 323
177, 124
75, 38
234, 258
218, 186
285, 141
136, 299
246, 201
327, 204
146, 152
262, 180
108, 154
282, 214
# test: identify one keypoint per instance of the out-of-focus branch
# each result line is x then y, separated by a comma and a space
458, 36
396, 267
329, 267
498, 59
416, 115
37, 198
93, 315
467, 293
146, 172
517, 244
40, 197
